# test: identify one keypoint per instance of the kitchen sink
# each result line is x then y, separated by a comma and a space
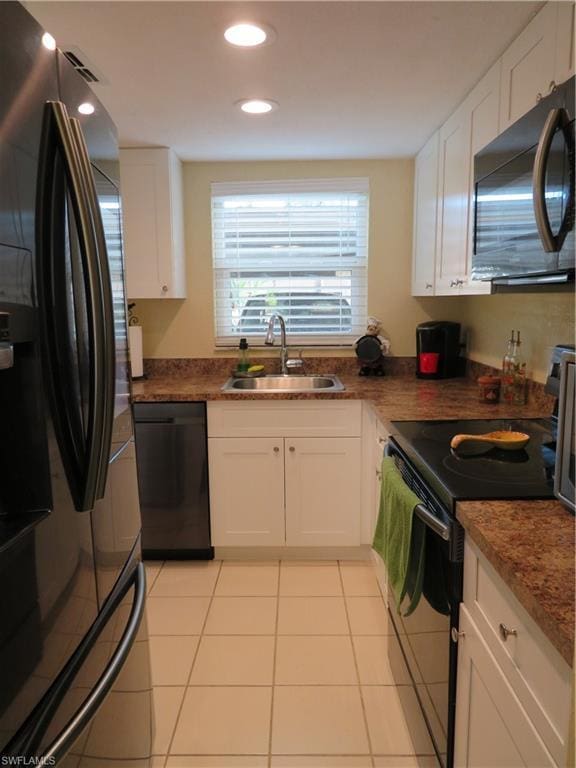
328, 383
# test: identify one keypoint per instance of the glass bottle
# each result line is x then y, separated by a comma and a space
514, 373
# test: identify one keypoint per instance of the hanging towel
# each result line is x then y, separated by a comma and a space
400, 537
437, 577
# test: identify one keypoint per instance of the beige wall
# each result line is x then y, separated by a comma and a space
186, 329
543, 319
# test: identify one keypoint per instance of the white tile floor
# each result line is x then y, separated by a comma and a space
276, 664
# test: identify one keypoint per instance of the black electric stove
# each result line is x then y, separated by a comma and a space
475, 471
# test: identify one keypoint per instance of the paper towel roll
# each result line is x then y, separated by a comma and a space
135, 342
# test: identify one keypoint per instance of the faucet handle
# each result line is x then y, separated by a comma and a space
294, 362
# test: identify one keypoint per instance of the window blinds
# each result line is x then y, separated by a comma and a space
296, 248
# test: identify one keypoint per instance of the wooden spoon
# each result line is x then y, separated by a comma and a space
508, 441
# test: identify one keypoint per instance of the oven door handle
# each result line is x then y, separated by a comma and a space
430, 520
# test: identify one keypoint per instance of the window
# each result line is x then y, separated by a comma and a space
296, 248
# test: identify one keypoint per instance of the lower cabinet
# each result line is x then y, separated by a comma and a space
247, 491
301, 491
514, 687
492, 727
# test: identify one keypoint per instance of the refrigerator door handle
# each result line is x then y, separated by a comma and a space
27, 742
106, 340
64, 741
82, 460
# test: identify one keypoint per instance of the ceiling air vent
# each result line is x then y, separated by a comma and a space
82, 65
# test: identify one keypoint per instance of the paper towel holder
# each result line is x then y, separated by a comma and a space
135, 344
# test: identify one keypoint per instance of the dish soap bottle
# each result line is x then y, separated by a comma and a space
243, 359
514, 373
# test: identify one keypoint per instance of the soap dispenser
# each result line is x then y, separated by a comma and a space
243, 359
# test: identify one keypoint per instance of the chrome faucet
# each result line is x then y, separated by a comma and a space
285, 363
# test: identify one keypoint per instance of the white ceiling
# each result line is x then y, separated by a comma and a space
353, 79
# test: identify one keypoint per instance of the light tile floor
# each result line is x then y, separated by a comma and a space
277, 665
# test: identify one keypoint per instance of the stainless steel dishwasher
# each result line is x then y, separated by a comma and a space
172, 452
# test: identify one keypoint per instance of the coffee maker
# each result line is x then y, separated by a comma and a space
438, 350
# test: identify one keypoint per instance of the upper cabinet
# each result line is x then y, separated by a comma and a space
528, 66
564, 60
453, 180
483, 106
540, 57
151, 181
472, 126
425, 212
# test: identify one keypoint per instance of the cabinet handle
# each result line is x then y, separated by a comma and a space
505, 632
379, 474
291, 449
428, 286
538, 97
453, 283
276, 449
456, 636
382, 440
164, 289
552, 88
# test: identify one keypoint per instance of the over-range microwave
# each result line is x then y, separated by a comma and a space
524, 199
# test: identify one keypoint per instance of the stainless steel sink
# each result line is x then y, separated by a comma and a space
328, 383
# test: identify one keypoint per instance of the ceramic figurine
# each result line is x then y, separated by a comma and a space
371, 348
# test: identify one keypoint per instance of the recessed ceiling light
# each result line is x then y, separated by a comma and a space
48, 41
248, 34
86, 108
257, 106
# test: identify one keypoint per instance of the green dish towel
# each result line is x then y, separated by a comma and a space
400, 537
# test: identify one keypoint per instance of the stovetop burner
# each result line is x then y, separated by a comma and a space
476, 471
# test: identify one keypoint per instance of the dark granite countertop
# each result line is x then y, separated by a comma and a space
393, 397
531, 546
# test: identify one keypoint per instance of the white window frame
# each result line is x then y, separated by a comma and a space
357, 265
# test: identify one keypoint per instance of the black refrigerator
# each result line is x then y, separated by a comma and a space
74, 663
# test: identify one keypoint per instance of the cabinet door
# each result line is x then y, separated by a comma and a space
483, 104
528, 66
453, 199
246, 491
564, 63
151, 187
323, 491
425, 211
492, 728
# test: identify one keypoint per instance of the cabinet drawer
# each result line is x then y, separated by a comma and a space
290, 418
539, 676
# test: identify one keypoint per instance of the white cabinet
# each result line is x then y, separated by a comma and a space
273, 483
294, 491
473, 125
492, 728
151, 182
512, 682
483, 105
453, 199
247, 491
564, 61
540, 57
425, 213
323, 491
